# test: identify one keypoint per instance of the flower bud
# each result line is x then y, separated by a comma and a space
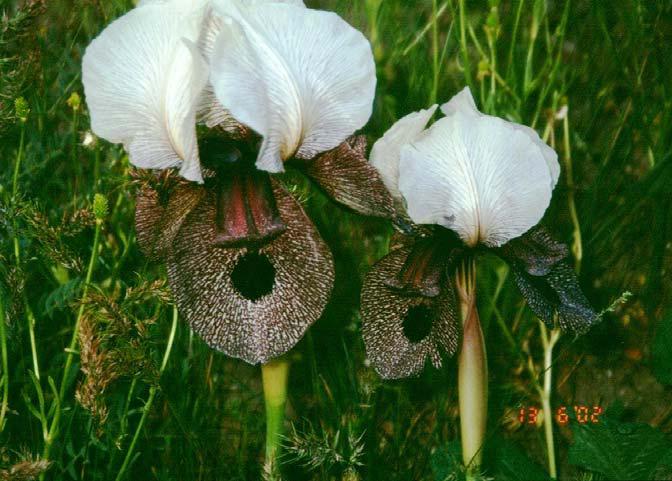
99, 207
21, 109
75, 101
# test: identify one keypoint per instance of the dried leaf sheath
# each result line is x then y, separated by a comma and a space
385, 310
209, 295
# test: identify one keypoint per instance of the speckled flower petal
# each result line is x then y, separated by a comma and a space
557, 292
303, 79
159, 214
345, 174
535, 251
142, 77
218, 289
385, 322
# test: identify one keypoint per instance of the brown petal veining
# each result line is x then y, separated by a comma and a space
160, 211
346, 175
209, 282
536, 251
385, 314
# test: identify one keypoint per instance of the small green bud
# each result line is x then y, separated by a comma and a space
483, 69
22, 109
75, 101
493, 19
99, 207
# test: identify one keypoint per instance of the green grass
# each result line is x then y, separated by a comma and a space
196, 414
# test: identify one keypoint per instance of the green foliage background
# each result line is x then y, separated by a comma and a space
608, 63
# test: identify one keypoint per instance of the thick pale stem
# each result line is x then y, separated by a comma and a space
472, 373
274, 375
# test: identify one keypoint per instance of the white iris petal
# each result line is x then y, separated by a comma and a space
487, 179
386, 152
464, 102
303, 79
142, 79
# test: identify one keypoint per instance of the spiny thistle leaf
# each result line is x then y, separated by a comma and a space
624, 451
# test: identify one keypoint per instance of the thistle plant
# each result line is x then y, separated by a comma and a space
469, 184
270, 84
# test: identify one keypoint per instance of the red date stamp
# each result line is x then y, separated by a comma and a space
582, 414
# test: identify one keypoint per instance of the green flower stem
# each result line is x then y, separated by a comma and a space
577, 244
466, 64
17, 163
274, 375
5, 368
537, 15
549, 343
472, 373
435, 53
30, 317
72, 348
53, 429
150, 399
372, 10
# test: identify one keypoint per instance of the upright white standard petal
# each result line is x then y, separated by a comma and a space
303, 79
464, 102
478, 175
210, 111
142, 79
386, 152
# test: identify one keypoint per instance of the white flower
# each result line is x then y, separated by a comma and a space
143, 76
303, 79
487, 179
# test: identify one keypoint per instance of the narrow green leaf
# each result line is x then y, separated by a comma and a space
661, 352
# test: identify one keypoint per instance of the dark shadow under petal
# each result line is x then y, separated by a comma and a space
402, 331
160, 211
346, 175
557, 292
422, 273
253, 303
536, 251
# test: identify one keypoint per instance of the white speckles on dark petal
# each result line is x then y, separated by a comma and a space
383, 312
557, 293
536, 251
347, 176
158, 220
256, 331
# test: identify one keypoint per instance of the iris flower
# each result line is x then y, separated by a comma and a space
271, 84
470, 183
